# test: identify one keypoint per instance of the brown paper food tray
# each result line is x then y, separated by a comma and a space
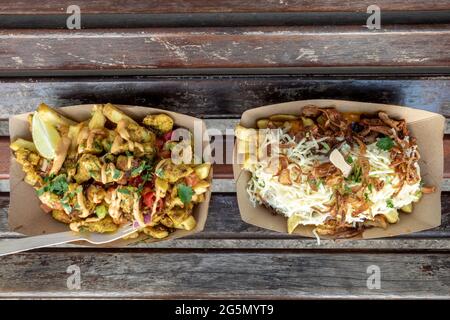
25, 215
427, 127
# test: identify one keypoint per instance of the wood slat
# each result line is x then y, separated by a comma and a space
203, 6
223, 96
224, 274
265, 47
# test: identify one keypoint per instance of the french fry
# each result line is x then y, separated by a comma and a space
52, 117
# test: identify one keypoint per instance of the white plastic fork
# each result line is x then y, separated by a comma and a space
53, 239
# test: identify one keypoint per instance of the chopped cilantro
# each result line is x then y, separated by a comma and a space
146, 176
59, 185
47, 179
319, 182
123, 190
370, 187
117, 173
366, 196
326, 146
185, 193
41, 191
160, 173
349, 159
355, 176
138, 170
385, 143
389, 203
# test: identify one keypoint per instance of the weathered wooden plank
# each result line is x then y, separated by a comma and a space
224, 274
265, 47
203, 6
223, 96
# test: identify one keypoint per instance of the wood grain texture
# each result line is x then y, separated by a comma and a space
223, 96
203, 6
223, 274
264, 47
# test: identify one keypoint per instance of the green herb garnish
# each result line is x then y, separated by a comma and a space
128, 153
123, 190
389, 203
349, 159
326, 146
59, 185
356, 174
116, 174
319, 182
137, 171
41, 191
370, 187
160, 173
385, 143
185, 193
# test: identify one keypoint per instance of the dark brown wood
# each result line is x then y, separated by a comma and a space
204, 6
264, 47
223, 96
224, 274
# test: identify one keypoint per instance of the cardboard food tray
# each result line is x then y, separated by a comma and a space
26, 217
427, 127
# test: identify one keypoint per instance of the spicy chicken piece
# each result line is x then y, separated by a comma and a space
88, 166
101, 226
157, 232
62, 216
95, 193
172, 172
29, 161
159, 122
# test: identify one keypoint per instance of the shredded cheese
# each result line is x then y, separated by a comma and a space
312, 205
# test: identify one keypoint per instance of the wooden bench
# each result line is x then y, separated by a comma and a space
216, 71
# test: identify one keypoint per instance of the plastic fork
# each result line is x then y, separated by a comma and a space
53, 239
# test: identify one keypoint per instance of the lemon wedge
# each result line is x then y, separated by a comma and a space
45, 137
